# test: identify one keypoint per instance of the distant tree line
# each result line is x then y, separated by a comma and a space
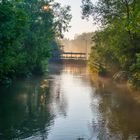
28, 29
117, 43
80, 43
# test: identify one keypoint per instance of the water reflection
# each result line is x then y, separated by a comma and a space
120, 113
58, 103
70, 104
24, 110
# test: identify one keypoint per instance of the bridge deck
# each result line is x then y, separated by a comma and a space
71, 55
75, 53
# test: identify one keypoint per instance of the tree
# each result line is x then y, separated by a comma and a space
118, 40
27, 30
13, 23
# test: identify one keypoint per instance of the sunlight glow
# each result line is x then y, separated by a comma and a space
78, 25
46, 8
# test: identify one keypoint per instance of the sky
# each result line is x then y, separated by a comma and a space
78, 25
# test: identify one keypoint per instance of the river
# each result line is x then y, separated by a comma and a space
75, 106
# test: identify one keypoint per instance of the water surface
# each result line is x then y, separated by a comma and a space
75, 106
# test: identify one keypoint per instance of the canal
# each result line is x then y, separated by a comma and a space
74, 105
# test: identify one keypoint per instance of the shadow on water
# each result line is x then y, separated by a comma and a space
24, 110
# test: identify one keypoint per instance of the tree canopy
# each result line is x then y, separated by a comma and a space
117, 41
27, 28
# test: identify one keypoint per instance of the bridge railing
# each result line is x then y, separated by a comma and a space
71, 55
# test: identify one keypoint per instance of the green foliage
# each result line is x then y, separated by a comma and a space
27, 28
117, 43
135, 68
13, 23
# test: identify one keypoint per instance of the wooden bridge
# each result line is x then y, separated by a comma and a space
70, 55
74, 55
